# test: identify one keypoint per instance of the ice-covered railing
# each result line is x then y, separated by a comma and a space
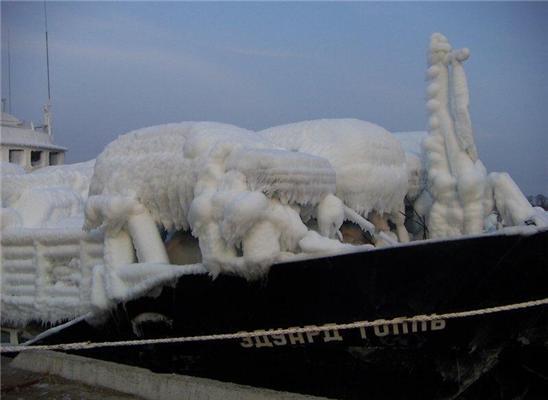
46, 258
46, 275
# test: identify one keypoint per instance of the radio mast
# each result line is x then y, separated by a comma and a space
47, 49
9, 73
47, 106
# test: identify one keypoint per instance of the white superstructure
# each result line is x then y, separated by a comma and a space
27, 145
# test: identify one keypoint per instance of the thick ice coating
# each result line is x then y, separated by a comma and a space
372, 173
49, 196
248, 199
465, 200
456, 176
369, 161
236, 192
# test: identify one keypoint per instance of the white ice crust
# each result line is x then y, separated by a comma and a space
369, 162
237, 193
81, 237
49, 196
464, 199
7, 169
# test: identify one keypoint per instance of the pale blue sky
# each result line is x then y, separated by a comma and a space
124, 65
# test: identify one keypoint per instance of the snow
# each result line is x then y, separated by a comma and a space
313, 242
412, 143
7, 168
46, 197
26, 137
330, 216
134, 280
45, 254
245, 206
79, 238
289, 176
539, 217
511, 204
227, 185
175, 156
368, 160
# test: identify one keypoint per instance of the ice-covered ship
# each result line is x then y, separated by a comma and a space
327, 257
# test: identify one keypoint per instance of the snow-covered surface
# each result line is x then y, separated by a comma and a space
369, 161
79, 238
511, 204
15, 132
26, 137
412, 143
183, 160
234, 190
9, 120
7, 169
49, 196
46, 257
134, 280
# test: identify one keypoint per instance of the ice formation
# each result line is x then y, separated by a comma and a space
415, 160
511, 204
46, 197
47, 273
464, 199
79, 238
7, 169
46, 258
370, 163
457, 178
237, 193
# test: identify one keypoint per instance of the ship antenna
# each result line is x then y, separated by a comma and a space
47, 49
9, 72
47, 106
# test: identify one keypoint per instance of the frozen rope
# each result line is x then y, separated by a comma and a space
307, 329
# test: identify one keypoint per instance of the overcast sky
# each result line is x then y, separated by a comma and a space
123, 65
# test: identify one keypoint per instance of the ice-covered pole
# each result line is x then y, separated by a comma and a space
148, 244
446, 212
456, 176
470, 172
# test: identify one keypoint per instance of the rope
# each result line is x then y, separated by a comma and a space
307, 329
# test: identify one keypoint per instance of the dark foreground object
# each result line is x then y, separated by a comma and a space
495, 356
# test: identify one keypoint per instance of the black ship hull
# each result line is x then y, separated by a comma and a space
491, 355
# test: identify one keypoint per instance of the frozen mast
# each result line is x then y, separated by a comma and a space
456, 177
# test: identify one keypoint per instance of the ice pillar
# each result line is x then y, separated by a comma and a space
147, 241
456, 177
